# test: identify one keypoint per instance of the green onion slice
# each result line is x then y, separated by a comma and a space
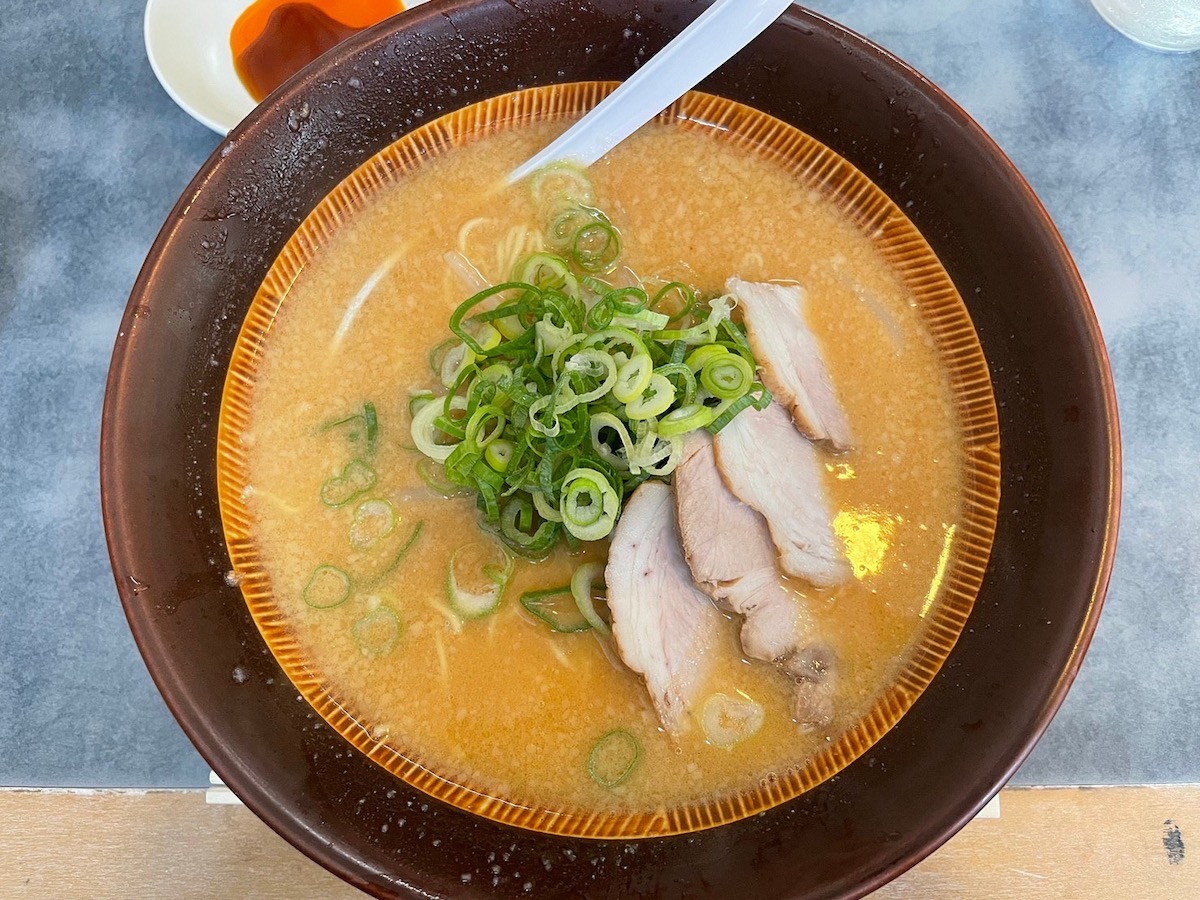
589, 505
596, 247
425, 429
378, 632
518, 531
371, 421
394, 564
603, 422
593, 365
434, 475
561, 183
583, 589
614, 758
373, 520
418, 399
703, 355
557, 608
498, 454
328, 587
545, 507
686, 418
633, 378
565, 227
548, 272
676, 299
368, 419
476, 578
728, 376
355, 480
655, 400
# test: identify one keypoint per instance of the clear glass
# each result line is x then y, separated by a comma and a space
1172, 25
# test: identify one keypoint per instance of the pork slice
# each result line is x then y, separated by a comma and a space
665, 628
728, 547
723, 538
770, 466
791, 360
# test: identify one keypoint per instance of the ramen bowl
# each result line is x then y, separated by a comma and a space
910, 790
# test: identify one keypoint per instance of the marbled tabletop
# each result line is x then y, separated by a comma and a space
93, 155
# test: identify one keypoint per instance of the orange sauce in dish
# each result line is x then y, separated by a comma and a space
274, 39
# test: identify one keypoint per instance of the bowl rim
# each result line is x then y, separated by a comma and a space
119, 396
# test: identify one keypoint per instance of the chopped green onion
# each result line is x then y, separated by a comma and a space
373, 521
518, 532
417, 400
378, 632
561, 183
434, 475
596, 365
607, 421
328, 587
396, 560
477, 432
548, 272
454, 363
371, 418
474, 581
633, 378
729, 409
583, 588
425, 428
685, 419
682, 308
556, 607
566, 389
437, 356
588, 504
655, 400
545, 508
596, 247
643, 319
703, 355
727, 377
565, 227
355, 480
498, 454
681, 379
614, 758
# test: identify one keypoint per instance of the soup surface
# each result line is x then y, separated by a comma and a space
501, 703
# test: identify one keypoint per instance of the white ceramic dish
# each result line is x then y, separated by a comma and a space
187, 42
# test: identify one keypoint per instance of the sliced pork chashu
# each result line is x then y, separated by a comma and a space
665, 628
724, 540
789, 354
729, 550
771, 467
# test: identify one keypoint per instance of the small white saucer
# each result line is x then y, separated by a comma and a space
187, 42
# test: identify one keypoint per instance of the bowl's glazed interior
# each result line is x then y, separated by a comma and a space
969, 730
814, 168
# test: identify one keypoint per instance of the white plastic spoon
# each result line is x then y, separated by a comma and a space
720, 31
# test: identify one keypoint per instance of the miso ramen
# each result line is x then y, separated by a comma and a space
418, 619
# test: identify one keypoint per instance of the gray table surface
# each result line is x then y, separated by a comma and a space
93, 155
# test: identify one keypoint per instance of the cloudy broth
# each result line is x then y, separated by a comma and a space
502, 703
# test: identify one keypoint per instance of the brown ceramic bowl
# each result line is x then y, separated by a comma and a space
969, 730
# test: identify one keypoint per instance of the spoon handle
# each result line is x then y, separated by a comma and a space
711, 40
